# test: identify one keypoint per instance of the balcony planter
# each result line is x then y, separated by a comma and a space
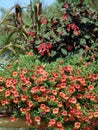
20, 123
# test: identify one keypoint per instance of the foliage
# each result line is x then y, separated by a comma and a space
63, 93
72, 31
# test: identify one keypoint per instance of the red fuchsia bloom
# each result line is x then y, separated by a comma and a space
44, 21
77, 125
13, 119
69, 48
55, 110
75, 14
75, 28
32, 34
37, 119
86, 48
93, 57
65, 17
52, 122
44, 48
66, 6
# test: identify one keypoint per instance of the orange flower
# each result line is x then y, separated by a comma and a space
30, 104
96, 114
44, 21
47, 109
1, 78
92, 97
42, 89
23, 110
15, 100
1, 88
13, 119
15, 73
54, 92
24, 97
77, 125
59, 124
60, 104
3, 102
7, 93
78, 106
37, 119
90, 87
55, 110
52, 97
63, 85
64, 113
90, 115
30, 54
42, 106
73, 100
52, 122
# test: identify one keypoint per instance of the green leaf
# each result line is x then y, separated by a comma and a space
53, 53
82, 41
64, 51
87, 36
85, 20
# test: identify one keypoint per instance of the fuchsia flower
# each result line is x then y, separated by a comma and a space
44, 48
75, 28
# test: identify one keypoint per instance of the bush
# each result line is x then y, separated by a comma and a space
63, 93
72, 31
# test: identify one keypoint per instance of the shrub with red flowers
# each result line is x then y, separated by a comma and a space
70, 32
61, 94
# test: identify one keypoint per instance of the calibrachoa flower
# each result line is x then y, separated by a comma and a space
56, 95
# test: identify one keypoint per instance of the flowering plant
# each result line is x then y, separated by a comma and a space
73, 30
60, 94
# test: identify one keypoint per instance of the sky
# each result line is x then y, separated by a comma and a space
7, 4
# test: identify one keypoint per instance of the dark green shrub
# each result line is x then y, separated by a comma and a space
73, 31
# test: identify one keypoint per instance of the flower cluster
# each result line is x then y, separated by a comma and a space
60, 96
71, 31
44, 48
